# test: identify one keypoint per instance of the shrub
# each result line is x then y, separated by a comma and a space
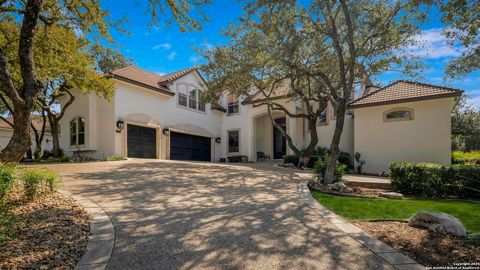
237, 159
115, 158
435, 180
47, 154
7, 177
38, 181
321, 167
468, 158
344, 158
64, 159
291, 159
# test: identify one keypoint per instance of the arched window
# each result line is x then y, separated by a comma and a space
77, 131
398, 114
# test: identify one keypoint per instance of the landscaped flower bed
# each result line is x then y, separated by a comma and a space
39, 228
386, 219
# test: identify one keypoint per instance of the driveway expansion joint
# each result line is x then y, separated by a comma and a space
379, 248
101, 240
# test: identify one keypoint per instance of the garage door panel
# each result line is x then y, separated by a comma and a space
189, 147
141, 142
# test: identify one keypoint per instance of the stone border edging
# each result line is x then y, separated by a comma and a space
379, 248
101, 239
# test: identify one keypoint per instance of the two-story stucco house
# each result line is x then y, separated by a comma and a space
154, 116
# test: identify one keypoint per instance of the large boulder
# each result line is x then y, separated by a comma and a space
438, 222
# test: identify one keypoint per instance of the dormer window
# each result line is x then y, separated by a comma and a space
233, 105
398, 114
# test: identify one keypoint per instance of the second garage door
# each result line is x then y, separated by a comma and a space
189, 147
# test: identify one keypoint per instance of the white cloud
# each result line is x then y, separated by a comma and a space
433, 45
171, 56
474, 101
194, 59
161, 73
165, 46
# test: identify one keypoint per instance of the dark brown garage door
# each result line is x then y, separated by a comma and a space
189, 147
141, 142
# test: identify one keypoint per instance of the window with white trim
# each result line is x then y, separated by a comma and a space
400, 114
77, 131
233, 106
190, 97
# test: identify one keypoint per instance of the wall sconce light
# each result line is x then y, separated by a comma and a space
47, 141
218, 140
120, 124
165, 131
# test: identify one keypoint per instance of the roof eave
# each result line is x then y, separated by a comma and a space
159, 90
454, 94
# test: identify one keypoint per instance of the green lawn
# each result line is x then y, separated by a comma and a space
384, 209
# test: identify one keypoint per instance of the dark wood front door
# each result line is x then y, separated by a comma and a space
279, 141
189, 147
141, 142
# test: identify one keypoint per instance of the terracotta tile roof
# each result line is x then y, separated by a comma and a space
149, 79
404, 91
177, 74
37, 122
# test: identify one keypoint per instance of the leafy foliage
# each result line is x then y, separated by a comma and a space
435, 180
462, 25
291, 159
465, 126
467, 158
38, 181
321, 166
7, 178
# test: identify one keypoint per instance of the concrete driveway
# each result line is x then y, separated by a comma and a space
187, 215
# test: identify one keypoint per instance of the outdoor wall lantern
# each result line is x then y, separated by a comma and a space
166, 131
218, 140
120, 124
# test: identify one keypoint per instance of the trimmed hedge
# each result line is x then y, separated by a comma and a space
468, 158
435, 180
237, 159
290, 159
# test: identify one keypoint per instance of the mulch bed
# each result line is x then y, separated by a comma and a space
51, 232
427, 248
361, 192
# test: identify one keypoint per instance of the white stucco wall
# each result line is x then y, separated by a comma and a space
164, 110
426, 138
99, 126
6, 135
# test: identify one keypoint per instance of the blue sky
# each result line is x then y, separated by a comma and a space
165, 48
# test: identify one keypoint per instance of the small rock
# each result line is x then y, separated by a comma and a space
391, 195
438, 222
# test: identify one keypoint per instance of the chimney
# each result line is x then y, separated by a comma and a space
369, 88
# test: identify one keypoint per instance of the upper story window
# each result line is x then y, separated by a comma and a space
190, 97
399, 114
232, 105
77, 131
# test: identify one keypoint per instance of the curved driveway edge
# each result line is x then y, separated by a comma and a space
384, 251
101, 239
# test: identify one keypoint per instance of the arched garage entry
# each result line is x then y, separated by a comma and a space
142, 137
190, 142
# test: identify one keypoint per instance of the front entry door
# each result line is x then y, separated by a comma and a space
279, 141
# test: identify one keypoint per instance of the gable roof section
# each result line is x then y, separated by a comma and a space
404, 91
150, 80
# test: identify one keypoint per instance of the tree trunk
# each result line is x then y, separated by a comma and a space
334, 150
55, 138
21, 137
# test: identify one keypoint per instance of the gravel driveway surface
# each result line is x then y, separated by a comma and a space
188, 215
